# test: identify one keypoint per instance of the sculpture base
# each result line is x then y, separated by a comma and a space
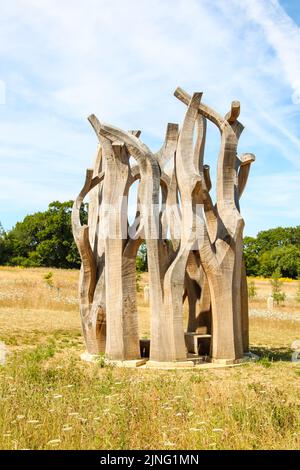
86, 356
197, 363
169, 365
130, 363
192, 362
228, 362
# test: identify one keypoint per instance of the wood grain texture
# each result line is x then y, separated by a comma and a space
221, 256
194, 246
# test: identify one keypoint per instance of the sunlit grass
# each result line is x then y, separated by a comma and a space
50, 399
66, 404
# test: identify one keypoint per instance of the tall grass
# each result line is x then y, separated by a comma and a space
46, 403
50, 399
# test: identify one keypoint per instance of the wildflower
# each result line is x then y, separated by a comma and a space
20, 416
178, 414
57, 396
67, 427
190, 413
54, 442
70, 386
82, 420
169, 444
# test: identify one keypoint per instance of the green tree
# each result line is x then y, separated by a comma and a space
141, 259
278, 237
251, 255
272, 249
6, 249
284, 258
45, 238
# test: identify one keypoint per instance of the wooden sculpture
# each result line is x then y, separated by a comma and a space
202, 261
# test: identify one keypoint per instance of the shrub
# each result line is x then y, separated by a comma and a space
276, 284
252, 293
48, 278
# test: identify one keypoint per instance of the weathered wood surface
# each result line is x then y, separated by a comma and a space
201, 262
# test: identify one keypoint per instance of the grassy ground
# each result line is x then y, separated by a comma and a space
52, 400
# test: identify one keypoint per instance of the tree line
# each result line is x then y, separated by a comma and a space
42, 239
45, 239
273, 250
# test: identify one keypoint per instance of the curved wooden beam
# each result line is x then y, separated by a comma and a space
189, 173
88, 273
167, 152
205, 110
234, 113
246, 159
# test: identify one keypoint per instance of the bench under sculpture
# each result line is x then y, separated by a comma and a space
194, 247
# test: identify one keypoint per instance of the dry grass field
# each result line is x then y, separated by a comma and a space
50, 399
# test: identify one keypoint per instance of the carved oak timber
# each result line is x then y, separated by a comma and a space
202, 262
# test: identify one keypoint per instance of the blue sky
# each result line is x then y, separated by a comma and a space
62, 60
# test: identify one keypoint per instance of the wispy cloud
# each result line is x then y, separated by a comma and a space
283, 34
62, 60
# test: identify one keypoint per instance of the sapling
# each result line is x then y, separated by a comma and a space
276, 284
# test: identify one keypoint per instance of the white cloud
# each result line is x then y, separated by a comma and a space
122, 60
